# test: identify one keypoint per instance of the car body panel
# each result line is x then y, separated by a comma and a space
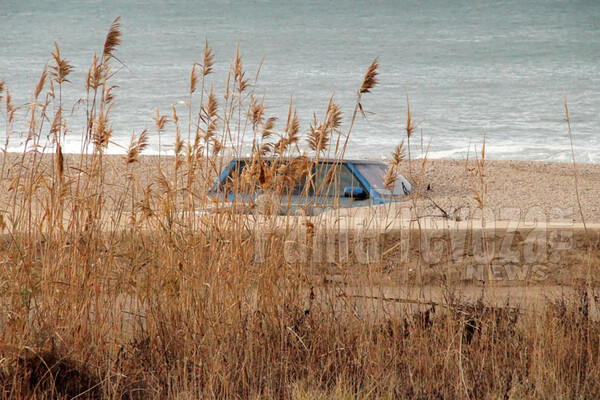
301, 197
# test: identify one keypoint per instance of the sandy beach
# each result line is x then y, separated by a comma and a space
442, 188
514, 184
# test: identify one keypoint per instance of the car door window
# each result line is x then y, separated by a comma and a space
333, 183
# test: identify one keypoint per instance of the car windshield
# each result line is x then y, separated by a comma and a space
374, 174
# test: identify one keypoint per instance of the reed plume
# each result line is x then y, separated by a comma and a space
318, 136
320, 133
390, 177
370, 78
193, 78
61, 68
333, 119
159, 120
391, 174
102, 131
217, 147
208, 60
55, 125
210, 108
369, 81
60, 161
10, 108
267, 127
290, 132
108, 94
178, 143
136, 147
113, 39
238, 72
41, 82
398, 154
409, 127
292, 125
94, 75
209, 115
256, 111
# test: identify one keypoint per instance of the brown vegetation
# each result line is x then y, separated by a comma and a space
121, 290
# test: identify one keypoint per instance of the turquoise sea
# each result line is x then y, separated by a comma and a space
502, 67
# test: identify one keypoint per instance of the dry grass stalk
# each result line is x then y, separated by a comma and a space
390, 178
410, 124
570, 135
178, 143
369, 81
409, 127
479, 193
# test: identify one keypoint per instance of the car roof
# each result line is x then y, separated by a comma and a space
323, 160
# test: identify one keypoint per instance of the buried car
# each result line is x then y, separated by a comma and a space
304, 184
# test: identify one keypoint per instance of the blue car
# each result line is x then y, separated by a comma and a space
315, 186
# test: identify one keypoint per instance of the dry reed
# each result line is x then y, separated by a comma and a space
125, 290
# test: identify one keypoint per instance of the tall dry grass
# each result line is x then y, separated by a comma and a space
112, 285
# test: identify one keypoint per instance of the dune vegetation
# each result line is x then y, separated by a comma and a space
116, 283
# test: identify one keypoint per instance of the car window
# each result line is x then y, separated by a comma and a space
330, 183
374, 174
328, 179
298, 188
233, 174
232, 182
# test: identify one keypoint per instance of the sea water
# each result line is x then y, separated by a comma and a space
467, 67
